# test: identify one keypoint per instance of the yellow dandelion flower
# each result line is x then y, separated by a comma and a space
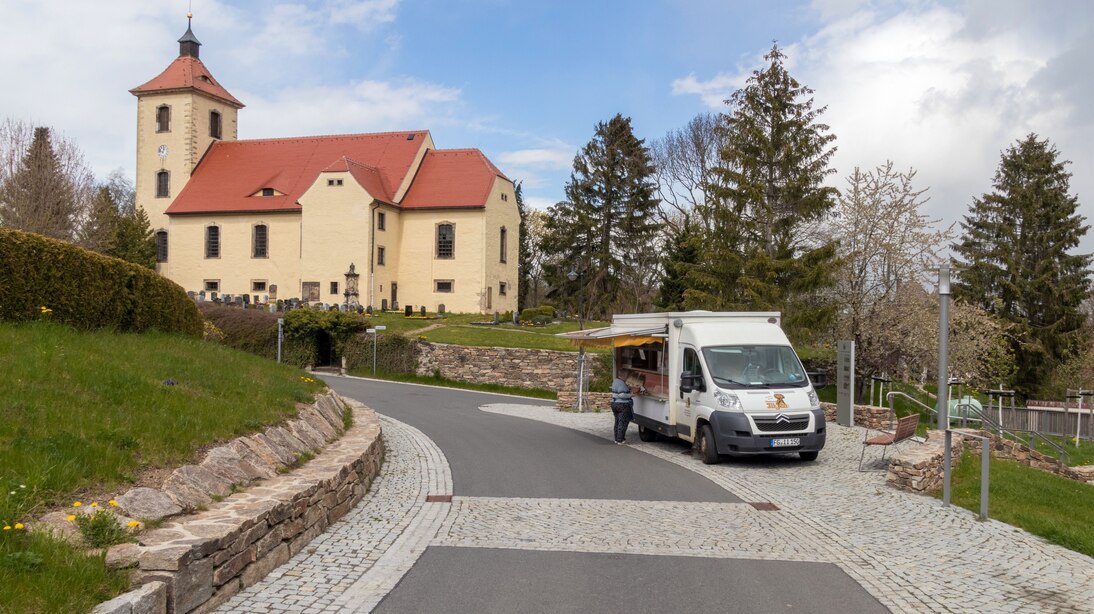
18, 526
7, 527
77, 504
133, 524
94, 504
70, 518
113, 503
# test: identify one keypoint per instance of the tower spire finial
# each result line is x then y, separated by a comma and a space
188, 44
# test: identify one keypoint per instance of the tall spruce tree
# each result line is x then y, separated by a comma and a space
133, 241
610, 212
38, 197
99, 232
1015, 259
680, 256
524, 251
761, 247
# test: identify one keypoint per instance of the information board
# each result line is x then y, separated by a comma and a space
845, 383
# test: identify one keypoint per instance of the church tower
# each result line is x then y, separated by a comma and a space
180, 114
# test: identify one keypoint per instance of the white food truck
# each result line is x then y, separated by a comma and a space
729, 382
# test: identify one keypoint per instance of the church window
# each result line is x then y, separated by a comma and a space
214, 124
446, 241
380, 255
163, 184
267, 191
258, 285
502, 288
443, 285
212, 241
163, 118
212, 285
504, 241
334, 287
334, 183
260, 241
161, 246
381, 220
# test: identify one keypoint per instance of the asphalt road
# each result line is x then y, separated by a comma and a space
501, 456
492, 455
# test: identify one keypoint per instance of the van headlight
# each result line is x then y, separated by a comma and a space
814, 400
728, 400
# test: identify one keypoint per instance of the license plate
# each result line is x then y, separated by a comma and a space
786, 442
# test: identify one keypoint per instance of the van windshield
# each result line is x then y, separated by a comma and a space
755, 366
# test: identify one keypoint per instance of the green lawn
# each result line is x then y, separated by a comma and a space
1057, 509
459, 330
84, 412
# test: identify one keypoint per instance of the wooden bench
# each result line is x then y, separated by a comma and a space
905, 429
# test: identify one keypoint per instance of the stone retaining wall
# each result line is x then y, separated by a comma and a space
869, 416
597, 401
918, 468
204, 559
520, 367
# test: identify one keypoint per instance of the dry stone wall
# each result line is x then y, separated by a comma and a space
871, 417
520, 367
597, 401
203, 559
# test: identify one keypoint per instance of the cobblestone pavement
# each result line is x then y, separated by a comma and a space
905, 550
360, 558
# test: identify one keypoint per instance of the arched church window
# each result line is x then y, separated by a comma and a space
214, 124
161, 246
212, 241
163, 184
163, 118
446, 241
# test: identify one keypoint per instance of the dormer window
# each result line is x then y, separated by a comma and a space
205, 78
267, 191
214, 124
163, 118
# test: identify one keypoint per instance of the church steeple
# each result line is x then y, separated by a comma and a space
189, 44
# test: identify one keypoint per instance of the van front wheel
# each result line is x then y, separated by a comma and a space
705, 447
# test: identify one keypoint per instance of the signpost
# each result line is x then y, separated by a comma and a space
280, 336
845, 383
375, 338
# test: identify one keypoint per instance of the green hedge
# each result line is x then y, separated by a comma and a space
255, 331
87, 290
394, 353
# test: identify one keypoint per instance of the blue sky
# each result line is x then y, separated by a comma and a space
938, 86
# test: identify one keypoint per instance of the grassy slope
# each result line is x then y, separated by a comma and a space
86, 411
1057, 509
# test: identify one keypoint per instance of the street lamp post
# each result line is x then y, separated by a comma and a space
943, 346
574, 275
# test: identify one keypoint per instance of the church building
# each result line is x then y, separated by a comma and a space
287, 217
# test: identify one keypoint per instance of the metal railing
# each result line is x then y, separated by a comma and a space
947, 465
988, 424
896, 393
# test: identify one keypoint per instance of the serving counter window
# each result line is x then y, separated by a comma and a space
644, 367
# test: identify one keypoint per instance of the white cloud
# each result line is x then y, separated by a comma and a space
560, 158
943, 89
539, 202
364, 106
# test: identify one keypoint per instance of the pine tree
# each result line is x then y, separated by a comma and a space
680, 256
524, 251
1015, 261
134, 241
99, 232
38, 197
762, 248
610, 214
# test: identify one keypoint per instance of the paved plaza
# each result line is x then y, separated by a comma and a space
877, 548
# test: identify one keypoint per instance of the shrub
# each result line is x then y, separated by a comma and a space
100, 529
87, 290
600, 371
255, 331
394, 353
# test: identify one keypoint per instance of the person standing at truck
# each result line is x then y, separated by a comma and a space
622, 408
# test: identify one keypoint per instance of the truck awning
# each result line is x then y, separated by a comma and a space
612, 336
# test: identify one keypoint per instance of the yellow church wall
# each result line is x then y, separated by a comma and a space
235, 268
334, 232
390, 239
419, 268
499, 213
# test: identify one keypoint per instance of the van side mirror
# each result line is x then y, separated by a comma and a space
818, 378
690, 382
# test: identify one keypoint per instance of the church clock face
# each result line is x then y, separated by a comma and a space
162, 151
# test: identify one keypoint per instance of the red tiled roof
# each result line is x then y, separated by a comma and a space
232, 171
452, 178
185, 73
